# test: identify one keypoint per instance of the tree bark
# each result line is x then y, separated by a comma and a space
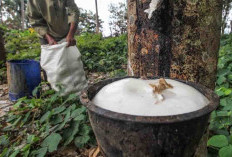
97, 18
22, 15
230, 26
2, 48
175, 38
1, 18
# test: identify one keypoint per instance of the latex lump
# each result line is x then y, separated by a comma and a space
158, 89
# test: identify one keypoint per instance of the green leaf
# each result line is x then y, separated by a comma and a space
49, 92
221, 80
66, 119
19, 102
35, 91
85, 130
47, 128
58, 110
68, 110
218, 141
78, 111
5, 152
25, 119
223, 114
230, 139
70, 133
80, 117
73, 107
52, 142
26, 147
228, 107
17, 121
222, 132
220, 92
15, 153
72, 97
223, 72
75, 113
213, 115
11, 118
30, 139
54, 98
228, 91
41, 152
26, 154
81, 141
56, 119
230, 77
224, 102
4, 140
45, 117
226, 151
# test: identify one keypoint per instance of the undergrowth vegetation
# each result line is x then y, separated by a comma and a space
38, 126
21, 44
103, 55
2, 72
98, 54
221, 122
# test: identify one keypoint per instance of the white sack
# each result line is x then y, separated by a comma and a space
64, 67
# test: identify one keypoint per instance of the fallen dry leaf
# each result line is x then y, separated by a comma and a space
95, 152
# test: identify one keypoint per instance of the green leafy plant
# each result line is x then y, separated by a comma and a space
103, 54
22, 44
2, 72
98, 54
39, 126
220, 144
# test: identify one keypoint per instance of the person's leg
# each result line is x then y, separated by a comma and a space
43, 41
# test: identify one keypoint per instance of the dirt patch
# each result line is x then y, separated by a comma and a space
96, 77
5, 104
72, 151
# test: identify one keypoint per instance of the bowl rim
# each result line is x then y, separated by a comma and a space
22, 61
92, 108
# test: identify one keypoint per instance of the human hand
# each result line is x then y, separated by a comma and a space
51, 40
70, 40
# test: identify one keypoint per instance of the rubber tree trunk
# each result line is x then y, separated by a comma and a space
175, 38
1, 18
2, 48
22, 14
97, 18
